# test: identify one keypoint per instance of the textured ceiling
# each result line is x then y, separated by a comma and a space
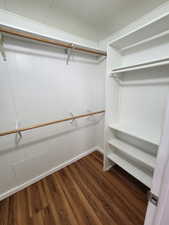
91, 19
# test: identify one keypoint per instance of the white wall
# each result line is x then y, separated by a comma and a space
37, 86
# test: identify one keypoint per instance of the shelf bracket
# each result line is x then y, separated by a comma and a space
2, 47
69, 53
18, 134
72, 118
90, 117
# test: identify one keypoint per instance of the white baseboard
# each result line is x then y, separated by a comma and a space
43, 175
101, 150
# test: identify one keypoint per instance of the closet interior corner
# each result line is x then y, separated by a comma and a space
84, 112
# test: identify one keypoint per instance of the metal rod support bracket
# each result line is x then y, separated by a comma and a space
90, 117
69, 52
72, 118
18, 134
2, 47
89, 111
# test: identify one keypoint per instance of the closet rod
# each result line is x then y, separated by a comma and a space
27, 35
50, 123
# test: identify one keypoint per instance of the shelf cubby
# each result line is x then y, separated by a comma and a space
131, 168
140, 66
148, 136
134, 152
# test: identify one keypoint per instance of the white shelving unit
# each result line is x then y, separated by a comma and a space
137, 86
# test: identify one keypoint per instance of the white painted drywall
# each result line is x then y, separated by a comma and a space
37, 86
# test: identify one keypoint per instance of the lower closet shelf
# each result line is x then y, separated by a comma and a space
134, 152
130, 168
151, 137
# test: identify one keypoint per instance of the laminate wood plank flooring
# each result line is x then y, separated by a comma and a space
80, 194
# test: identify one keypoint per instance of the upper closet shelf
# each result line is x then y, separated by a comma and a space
154, 29
140, 66
155, 37
138, 132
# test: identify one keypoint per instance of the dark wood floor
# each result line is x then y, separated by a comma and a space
80, 194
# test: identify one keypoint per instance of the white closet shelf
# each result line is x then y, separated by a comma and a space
150, 64
144, 135
130, 168
134, 152
146, 40
151, 30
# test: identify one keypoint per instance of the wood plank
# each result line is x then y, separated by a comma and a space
118, 199
79, 194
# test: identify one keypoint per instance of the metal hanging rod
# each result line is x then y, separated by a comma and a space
50, 123
28, 35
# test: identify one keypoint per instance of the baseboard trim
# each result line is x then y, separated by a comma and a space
101, 150
43, 175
